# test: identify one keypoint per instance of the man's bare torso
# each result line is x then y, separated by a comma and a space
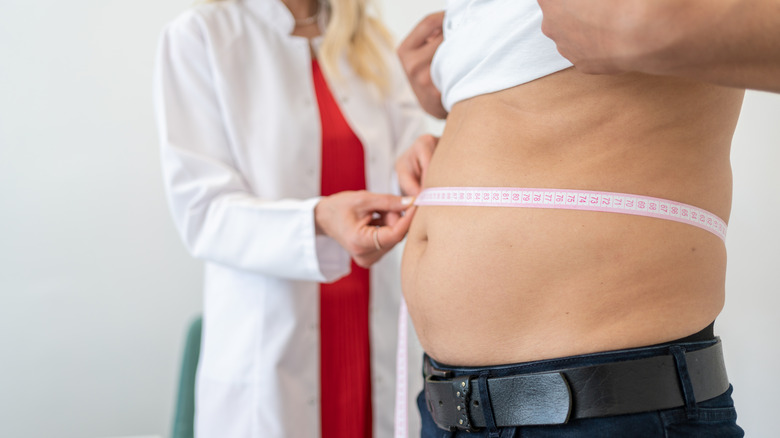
504, 285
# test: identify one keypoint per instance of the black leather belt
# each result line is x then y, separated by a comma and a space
555, 397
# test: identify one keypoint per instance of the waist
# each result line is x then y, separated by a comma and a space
502, 285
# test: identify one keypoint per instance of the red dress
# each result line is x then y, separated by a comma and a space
345, 373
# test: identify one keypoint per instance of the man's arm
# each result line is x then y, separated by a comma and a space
727, 42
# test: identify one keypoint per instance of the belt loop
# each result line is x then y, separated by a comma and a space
691, 410
487, 407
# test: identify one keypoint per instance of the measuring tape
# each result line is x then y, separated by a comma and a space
401, 374
574, 200
540, 198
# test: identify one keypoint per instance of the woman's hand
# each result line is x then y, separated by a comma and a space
366, 224
413, 163
416, 53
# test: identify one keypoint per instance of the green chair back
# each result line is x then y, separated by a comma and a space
184, 416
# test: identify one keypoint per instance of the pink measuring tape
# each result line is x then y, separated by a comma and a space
540, 198
401, 374
575, 200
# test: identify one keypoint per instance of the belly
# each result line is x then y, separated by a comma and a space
492, 285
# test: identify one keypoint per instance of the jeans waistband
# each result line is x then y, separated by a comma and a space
570, 361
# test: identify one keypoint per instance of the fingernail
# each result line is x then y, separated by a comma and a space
407, 200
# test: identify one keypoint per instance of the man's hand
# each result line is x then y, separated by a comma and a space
413, 163
416, 53
366, 224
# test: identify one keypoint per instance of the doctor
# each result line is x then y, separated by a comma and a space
275, 117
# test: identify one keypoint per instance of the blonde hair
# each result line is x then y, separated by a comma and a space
354, 31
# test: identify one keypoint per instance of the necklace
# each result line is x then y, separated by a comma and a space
309, 20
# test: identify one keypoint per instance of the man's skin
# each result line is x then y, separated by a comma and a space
490, 286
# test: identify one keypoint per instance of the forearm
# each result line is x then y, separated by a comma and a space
727, 42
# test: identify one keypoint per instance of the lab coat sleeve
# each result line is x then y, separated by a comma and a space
214, 209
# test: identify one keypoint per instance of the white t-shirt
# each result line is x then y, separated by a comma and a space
491, 45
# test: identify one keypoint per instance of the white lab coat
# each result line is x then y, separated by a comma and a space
240, 138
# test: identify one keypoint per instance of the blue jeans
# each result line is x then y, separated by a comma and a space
711, 418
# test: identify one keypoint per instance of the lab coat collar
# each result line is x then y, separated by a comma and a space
279, 17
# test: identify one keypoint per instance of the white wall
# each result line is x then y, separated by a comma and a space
750, 323
95, 287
